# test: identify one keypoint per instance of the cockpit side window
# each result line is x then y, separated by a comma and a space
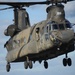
68, 25
61, 26
46, 29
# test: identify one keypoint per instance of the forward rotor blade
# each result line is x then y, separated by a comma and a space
17, 4
23, 4
73, 24
6, 8
70, 0
60, 1
65, 1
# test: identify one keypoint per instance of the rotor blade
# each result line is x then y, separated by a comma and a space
70, 0
72, 24
17, 4
60, 1
6, 8
22, 4
65, 1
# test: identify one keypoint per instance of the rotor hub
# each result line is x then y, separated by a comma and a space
56, 13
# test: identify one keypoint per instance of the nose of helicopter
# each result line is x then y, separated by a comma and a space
63, 36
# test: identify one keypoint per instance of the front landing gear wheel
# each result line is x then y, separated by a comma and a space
69, 61
65, 62
8, 67
45, 64
28, 64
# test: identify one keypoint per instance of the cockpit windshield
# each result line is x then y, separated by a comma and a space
61, 26
54, 27
68, 25
58, 27
51, 27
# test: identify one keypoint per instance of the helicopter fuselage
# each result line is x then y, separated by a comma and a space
44, 40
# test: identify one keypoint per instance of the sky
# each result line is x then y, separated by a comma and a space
37, 13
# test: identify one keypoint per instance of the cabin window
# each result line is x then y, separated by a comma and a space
37, 33
37, 30
50, 27
46, 37
46, 29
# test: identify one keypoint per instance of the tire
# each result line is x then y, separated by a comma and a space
26, 65
45, 65
30, 64
69, 62
65, 62
8, 67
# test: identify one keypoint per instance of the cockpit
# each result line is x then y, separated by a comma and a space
54, 26
68, 25
58, 32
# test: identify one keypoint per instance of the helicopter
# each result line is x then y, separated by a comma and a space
45, 40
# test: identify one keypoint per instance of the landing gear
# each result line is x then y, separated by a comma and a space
40, 61
8, 67
28, 63
67, 61
45, 64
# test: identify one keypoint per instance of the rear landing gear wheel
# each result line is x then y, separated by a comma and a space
45, 64
8, 67
65, 62
26, 65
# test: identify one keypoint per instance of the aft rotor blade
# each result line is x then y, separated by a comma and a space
6, 8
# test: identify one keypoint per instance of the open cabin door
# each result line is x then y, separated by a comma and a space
42, 39
38, 37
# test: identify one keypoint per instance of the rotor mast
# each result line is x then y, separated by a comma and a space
16, 18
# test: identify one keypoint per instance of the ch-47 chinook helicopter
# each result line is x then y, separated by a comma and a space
45, 40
